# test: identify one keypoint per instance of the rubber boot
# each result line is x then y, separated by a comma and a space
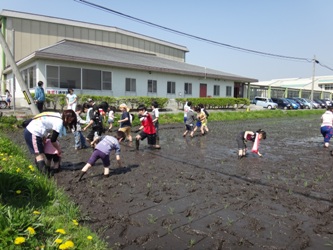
137, 144
41, 166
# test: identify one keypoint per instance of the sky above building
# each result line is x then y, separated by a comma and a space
262, 39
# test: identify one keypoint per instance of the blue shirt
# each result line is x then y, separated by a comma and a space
39, 94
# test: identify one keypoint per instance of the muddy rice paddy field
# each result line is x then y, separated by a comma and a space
195, 194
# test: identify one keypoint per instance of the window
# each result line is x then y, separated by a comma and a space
188, 88
70, 78
106, 80
130, 85
171, 87
29, 77
52, 76
228, 91
152, 86
91, 79
217, 90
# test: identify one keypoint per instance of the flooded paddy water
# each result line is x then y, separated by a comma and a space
195, 194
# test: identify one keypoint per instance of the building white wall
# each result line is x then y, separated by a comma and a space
118, 82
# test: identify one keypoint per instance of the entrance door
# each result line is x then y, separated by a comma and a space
203, 90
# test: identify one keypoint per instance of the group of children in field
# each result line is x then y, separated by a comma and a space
149, 126
195, 119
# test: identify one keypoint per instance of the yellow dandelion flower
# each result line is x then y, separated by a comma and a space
19, 240
89, 237
61, 231
18, 191
36, 212
4, 159
31, 230
75, 222
69, 244
63, 246
58, 241
31, 168
18, 170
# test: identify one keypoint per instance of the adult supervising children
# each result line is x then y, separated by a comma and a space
40, 125
40, 96
105, 145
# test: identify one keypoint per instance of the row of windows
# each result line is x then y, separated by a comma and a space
69, 77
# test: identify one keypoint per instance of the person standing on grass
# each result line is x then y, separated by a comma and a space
8, 98
39, 127
71, 100
147, 129
40, 96
103, 148
326, 128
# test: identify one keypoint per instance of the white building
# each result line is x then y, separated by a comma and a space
104, 60
321, 86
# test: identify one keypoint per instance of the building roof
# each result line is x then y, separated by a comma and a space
29, 16
79, 52
299, 83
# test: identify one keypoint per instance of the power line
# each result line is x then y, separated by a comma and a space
96, 6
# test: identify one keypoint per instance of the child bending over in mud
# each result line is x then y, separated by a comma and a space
102, 151
245, 136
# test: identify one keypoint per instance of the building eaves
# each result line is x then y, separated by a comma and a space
100, 55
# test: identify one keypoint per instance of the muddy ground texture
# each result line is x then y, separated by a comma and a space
194, 192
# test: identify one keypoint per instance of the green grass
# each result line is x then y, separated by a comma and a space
34, 210
166, 118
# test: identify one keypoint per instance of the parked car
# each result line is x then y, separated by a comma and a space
301, 105
294, 103
328, 102
306, 105
265, 102
314, 104
3, 103
282, 103
321, 103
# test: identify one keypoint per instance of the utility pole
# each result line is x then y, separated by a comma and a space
18, 75
313, 76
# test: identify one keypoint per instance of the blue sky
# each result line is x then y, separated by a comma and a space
296, 28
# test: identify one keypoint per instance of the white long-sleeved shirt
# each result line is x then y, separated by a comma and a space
327, 119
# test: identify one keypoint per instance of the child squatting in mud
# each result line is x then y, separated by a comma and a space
245, 136
103, 148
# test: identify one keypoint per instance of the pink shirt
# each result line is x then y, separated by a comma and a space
49, 149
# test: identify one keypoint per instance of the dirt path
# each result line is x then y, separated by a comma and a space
195, 193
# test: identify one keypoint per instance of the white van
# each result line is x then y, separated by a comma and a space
265, 102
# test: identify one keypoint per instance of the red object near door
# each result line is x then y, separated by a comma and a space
203, 90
